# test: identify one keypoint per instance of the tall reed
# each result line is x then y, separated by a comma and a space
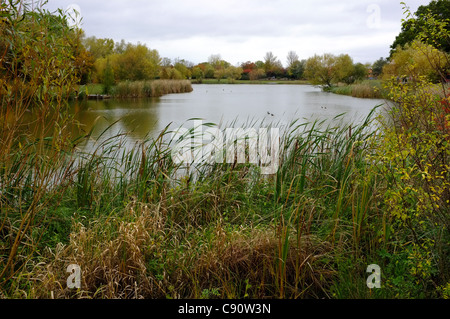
154, 88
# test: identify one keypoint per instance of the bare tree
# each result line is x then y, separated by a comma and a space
292, 58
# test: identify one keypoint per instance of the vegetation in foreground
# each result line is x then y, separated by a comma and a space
344, 197
138, 229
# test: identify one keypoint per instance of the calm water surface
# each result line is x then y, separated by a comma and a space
219, 104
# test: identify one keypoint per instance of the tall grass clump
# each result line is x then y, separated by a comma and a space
156, 88
370, 89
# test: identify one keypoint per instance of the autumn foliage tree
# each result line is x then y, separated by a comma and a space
129, 61
416, 60
138, 62
328, 70
414, 156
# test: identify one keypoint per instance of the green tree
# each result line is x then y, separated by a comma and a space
209, 71
219, 74
99, 48
328, 69
272, 66
360, 72
108, 78
269, 61
120, 47
344, 69
259, 64
233, 73
321, 70
297, 70
217, 62
184, 68
138, 62
292, 58
295, 67
214, 60
198, 74
175, 74
416, 24
378, 65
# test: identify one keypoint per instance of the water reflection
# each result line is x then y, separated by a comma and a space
137, 117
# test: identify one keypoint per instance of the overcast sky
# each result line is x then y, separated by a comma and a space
244, 30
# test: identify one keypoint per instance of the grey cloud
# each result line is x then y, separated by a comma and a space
167, 22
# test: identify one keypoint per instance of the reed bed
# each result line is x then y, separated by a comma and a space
156, 88
366, 89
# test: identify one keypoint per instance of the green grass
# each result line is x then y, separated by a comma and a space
93, 88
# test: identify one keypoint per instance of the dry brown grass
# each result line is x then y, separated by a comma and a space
112, 254
139, 256
252, 258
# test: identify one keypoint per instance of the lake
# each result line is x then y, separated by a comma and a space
219, 104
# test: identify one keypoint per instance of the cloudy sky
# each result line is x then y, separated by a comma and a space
244, 30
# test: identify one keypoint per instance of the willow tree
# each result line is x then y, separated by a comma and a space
41, 65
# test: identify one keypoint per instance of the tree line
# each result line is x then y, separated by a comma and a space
120, 61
